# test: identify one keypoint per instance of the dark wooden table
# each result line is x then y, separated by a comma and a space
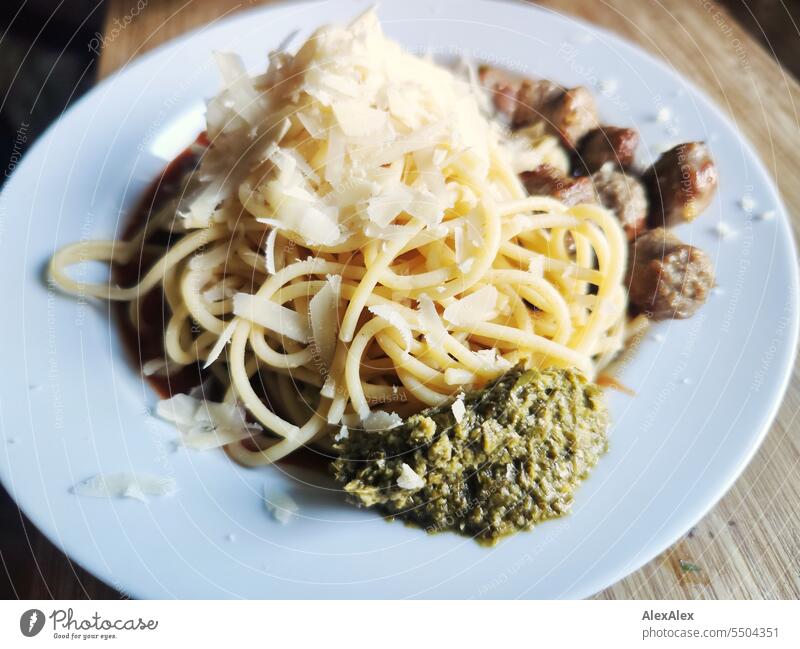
749, 545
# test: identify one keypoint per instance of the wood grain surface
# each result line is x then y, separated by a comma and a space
748, 546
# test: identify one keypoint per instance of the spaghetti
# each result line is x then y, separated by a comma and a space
356, 245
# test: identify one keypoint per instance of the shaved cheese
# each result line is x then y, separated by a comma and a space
272, 316
458, 408
160, 366
343, 433
269, 251
179, 409
280, 505
206, 424
231, 67
419, 139
492, 359
723, 230
434, 330
664, 114
380, 420
394, 317
384, 208
472, 309
312, 122
205, 441
126, 485
199, 203
152, 366
328, 389
323, 309
302, 165
239, 101
357, 120
426, 207
465, 265
297, 209
409, 479
387, 233
406, 135
460, 244
224, 339
334, 158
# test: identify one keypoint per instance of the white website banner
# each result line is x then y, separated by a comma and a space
405, 624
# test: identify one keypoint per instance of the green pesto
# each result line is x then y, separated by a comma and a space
524, 444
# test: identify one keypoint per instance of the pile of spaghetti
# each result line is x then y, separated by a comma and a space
355, 245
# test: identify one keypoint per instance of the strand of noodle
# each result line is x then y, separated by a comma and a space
371, 277
110, 251
315, 424
563, 355
548, 300
550, 264
406, 362
241, 383
424, 394
263, 351
353, 363
531, 204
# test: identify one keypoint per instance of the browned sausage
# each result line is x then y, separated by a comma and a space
666, 277
681, 184
608, 144
625, 196
569, 113
504, 88
572, 114
534, 100
547, 181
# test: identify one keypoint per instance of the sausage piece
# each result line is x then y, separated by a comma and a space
504, 88
534, 101
666, 277
569, 113
572, 114
548, 181
608, 144
681, 184
625, 196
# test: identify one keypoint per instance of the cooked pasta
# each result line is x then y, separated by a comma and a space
356, 244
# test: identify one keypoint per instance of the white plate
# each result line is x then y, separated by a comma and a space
707, 388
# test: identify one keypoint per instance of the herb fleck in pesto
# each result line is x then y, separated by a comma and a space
514, 458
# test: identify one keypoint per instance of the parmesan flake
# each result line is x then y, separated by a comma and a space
125, 485
458, 408
394, 317
323, 313
378, 420
280, 505
472, 309
409, 479
272, 316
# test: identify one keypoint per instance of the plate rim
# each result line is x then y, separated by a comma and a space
608, 576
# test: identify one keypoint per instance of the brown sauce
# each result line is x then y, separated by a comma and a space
148, 342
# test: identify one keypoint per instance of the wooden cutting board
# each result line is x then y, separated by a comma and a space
748, 546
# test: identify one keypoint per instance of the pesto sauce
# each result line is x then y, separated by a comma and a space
524, 444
